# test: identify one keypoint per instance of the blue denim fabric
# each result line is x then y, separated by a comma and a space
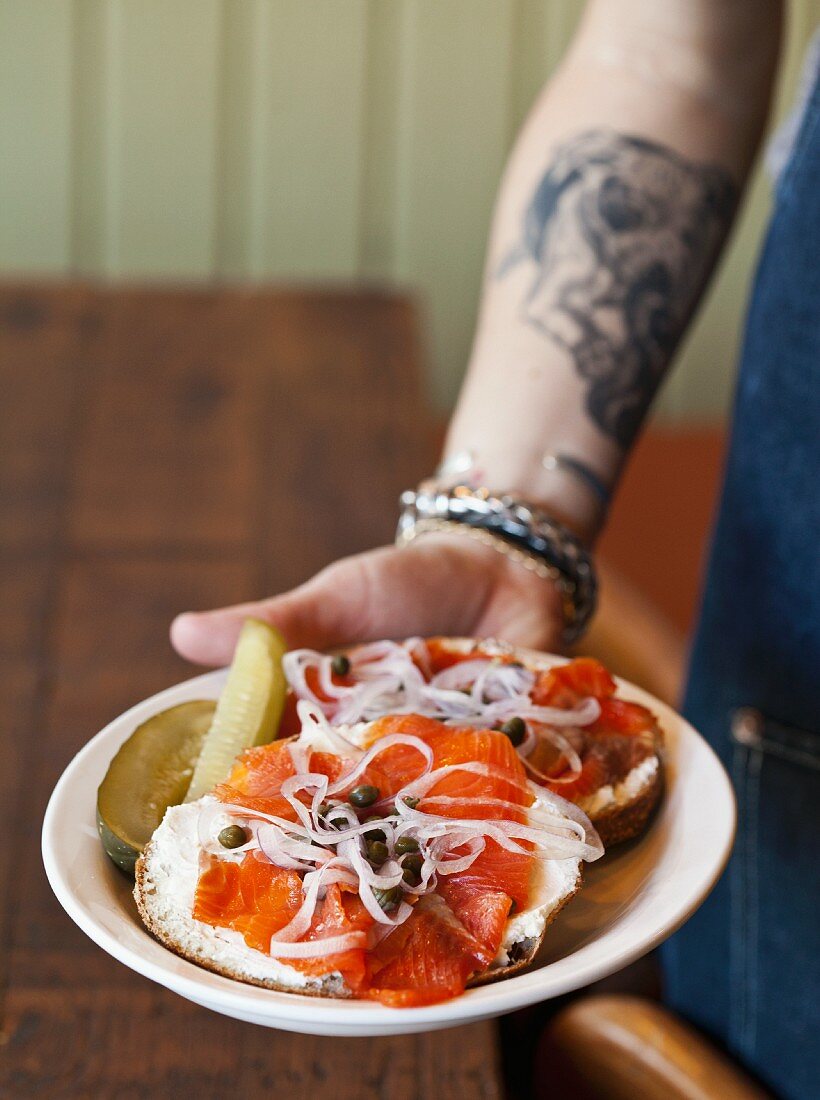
747, 967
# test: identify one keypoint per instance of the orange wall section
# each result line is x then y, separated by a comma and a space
658, 532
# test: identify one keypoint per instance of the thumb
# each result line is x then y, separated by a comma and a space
426, 588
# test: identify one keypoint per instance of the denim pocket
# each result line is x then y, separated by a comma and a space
753, 730
773, 957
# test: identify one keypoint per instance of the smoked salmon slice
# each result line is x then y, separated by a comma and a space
622, 737
254, 898
259, 773
451, 933
427, 959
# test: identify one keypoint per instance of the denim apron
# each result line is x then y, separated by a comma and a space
746, 968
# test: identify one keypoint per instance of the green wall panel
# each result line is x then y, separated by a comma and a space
453, 126
163, 142
311, 99
35, 135
302, 140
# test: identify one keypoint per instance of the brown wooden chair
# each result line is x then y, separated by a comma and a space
620, 1048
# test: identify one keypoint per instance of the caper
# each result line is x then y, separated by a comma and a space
340, 665
377, 851
515, 729
411, 868
332, 817
411, 801
388, 899
406, 844
364, 795
232, 836
375, 834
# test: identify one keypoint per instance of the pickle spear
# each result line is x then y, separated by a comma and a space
151, 772
249, 707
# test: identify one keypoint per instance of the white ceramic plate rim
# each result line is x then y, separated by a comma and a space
294, 1011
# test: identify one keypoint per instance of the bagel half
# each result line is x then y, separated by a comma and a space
166, 879
619, 810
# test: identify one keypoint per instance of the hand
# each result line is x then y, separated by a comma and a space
440, 584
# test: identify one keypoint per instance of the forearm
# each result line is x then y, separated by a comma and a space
613, 209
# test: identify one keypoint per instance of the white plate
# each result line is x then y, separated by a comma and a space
632, 899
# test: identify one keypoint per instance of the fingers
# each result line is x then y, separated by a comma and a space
209, 637
428, 588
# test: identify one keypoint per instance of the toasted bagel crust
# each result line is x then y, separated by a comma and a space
324, 987
528, 949
621, 823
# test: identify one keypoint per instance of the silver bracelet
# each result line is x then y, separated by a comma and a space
515, 525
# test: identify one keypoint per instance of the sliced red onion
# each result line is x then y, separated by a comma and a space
448, 864
313, 949
568, 752
388, 681
208, 814
568, 809
478, 800
333, 871
559, 836
298, 828
462, 674
371, 652
370, 880
313, 721
420, 787
553, 829
420, 655
285, 850
384, 743
529, 742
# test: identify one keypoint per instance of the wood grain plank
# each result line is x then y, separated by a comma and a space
24, 593
75, 1023
349, 428
106, 649
169, 408
42, 338
61, 1046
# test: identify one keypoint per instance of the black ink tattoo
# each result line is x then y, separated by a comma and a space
622, 234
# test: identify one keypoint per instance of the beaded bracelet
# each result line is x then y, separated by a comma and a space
516, 528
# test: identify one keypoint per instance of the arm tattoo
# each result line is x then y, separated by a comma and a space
619, 238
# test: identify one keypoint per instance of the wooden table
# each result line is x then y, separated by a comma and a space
164, 451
